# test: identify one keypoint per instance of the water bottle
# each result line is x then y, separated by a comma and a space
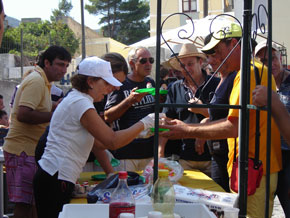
163, 195
122, 200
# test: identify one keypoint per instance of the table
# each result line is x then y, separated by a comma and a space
191, 178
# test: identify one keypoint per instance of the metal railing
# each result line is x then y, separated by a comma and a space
244, 106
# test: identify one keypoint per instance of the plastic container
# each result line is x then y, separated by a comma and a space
175, 169
163, 196
122, 200
231, 212
102, 210
154, 214
127, 215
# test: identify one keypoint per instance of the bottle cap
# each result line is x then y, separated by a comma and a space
123, 174
126, 215
163, 173
154, 214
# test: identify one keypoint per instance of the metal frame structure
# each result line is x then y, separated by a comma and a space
244, 101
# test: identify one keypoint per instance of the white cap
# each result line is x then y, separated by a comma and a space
154, 214
97, 67
263, 44
126, 215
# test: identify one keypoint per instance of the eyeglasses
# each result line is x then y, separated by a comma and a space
144, 60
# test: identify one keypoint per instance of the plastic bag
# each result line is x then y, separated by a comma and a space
111, 183
175, 169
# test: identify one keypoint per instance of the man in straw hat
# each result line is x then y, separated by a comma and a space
219, 46
191, 89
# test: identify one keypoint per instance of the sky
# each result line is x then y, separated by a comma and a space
43, 9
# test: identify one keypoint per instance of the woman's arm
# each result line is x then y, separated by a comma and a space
102, 156
108, 138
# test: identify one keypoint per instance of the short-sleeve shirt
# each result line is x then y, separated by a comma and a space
68, 143
222, 96
139, 148
276, 164
177, 95
33, 92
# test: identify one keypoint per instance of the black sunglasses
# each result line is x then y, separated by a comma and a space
144, 60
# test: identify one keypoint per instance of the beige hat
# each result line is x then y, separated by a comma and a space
175, 48
187, 50
263, 44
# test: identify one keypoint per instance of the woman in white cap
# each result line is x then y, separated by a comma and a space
74, 126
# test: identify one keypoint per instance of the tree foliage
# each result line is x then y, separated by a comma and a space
37, 37
124, 20
64, 8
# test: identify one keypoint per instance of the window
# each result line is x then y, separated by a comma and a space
189, 5
228, 5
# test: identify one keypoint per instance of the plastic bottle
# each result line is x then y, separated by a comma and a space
122, 200
163, 196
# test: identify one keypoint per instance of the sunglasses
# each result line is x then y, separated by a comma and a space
144, 60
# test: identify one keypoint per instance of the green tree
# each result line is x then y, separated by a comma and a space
124, 21
37, 37
64, 8
109, 11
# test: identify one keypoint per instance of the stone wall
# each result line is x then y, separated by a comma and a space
7, 89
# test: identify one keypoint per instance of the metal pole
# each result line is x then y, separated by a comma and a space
83, 31
21, 59
269, 108
244, 114
157, 106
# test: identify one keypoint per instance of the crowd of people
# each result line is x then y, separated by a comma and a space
51, 138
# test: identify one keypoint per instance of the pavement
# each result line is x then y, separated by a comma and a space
277, 209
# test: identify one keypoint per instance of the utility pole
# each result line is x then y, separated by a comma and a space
83, 31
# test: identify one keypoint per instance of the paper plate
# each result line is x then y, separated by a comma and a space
151, 91
114, 162
99, 177
160, 129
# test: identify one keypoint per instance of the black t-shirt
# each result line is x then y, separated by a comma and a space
221, 96
138, 148
177, 94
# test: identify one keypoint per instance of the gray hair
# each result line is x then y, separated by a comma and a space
132, 53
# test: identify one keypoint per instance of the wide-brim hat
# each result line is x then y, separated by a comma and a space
230, 30
187, 50
263, 44
97, 67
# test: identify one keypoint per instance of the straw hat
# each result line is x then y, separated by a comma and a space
187, 50
175, 48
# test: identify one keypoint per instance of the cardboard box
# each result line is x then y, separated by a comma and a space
215, 201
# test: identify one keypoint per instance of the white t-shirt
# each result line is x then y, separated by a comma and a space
68, 143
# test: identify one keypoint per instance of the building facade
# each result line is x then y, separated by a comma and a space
193, 8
